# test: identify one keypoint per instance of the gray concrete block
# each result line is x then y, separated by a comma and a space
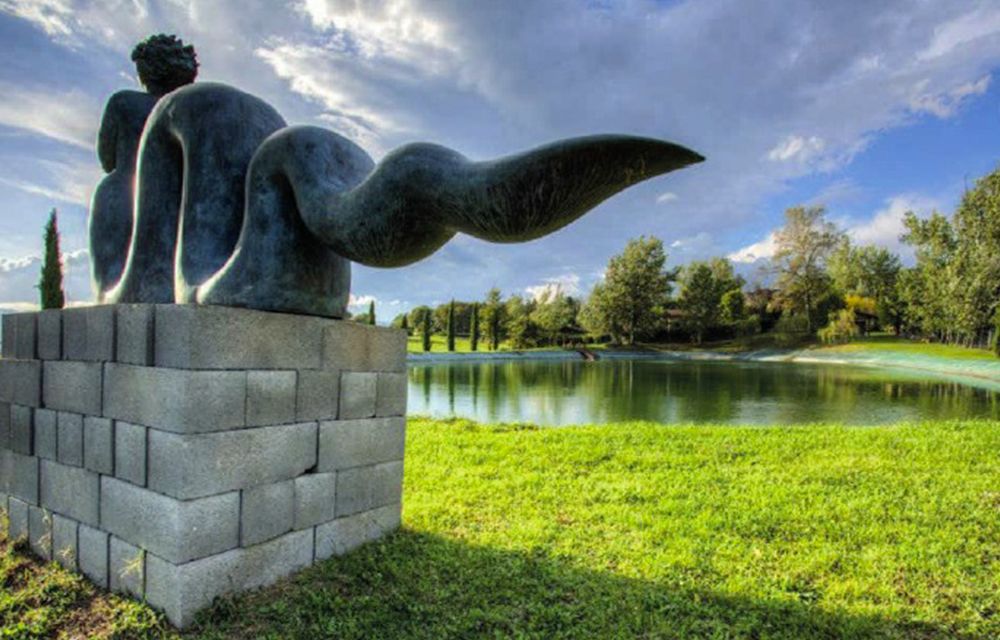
9, 334
387, 350
26, 341
357, 395
174, 399
346, 346
74, 328
93, 554
270, 397
17, 519
195, 465
73, 386
318, 395
71, 491
315, 499
340, 536
89, 333
134, 326
40, 532
182, 590
4, 425
99, 445
50, 334
130, 452
176, 530
24, 477
64, 541
344, 444
266, 512
70, 438
21, 382
391, 395
126, 568
46, 434
22, 430
215, 337
6, 470
364, 488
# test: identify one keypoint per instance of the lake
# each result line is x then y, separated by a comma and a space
730, 392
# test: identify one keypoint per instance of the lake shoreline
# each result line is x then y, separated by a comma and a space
978, 372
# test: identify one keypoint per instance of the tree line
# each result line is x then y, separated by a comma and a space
819, 283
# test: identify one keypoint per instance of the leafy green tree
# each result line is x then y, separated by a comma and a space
872, 272
553, 313
929, 289
802, 248
451, 326
371, 312
474, 336
493, 314
733, 307
517, 315
51, 284
404, 325
631, 301
426, 334
700, 299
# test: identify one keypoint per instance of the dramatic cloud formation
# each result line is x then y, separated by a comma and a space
772, 93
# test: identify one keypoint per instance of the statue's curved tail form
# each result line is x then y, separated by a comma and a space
421, 195
234, 208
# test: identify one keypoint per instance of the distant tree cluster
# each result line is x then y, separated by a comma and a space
822, 285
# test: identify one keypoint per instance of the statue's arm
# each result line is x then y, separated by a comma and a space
107, 135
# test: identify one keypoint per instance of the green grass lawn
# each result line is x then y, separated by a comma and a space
893, 344
632, 530
439, 344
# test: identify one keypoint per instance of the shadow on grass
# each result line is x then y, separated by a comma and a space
415, 585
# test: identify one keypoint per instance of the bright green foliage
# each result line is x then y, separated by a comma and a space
517, 315
474, 337
451, 326
872, 272
733, 305
493, 314
802, 248
640, 530
630, 303
703, 285
51, 284
841, 328
553, 313
426, 334
416, 316
371, 312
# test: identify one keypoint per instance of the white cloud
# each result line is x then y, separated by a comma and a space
567, 284
699, 246
963, 30
947, 104
71, 117
885, 226
796, 148
665, 197
19, 278
761, 250
69, 182
52, 16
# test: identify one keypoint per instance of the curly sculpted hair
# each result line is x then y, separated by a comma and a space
164, 63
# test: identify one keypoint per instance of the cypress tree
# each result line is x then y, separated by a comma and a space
405, 325
371, 312
451, 326
427, 331
50, 285
474, 338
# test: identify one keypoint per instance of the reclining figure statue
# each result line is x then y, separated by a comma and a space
211, 198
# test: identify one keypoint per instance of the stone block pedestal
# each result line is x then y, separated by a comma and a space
179, 452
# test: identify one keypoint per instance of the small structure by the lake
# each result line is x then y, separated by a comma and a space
214, 426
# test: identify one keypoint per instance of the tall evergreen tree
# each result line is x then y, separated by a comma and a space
427, 332
474, 335
51, 284
451, 326
405, 325
371, 312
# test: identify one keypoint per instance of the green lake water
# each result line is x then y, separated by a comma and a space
730, 392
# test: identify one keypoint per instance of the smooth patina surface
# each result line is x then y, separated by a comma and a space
232, 207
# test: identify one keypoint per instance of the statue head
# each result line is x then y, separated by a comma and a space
164, 63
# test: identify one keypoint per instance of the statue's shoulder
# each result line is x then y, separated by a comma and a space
128, 100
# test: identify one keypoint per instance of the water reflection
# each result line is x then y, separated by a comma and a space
573, 392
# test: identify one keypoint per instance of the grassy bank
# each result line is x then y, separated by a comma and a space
637, 530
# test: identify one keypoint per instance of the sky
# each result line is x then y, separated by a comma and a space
871, 109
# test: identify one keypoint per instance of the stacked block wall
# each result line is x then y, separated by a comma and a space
178, 453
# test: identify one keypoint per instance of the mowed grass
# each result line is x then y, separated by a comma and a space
893, 344
641, 530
